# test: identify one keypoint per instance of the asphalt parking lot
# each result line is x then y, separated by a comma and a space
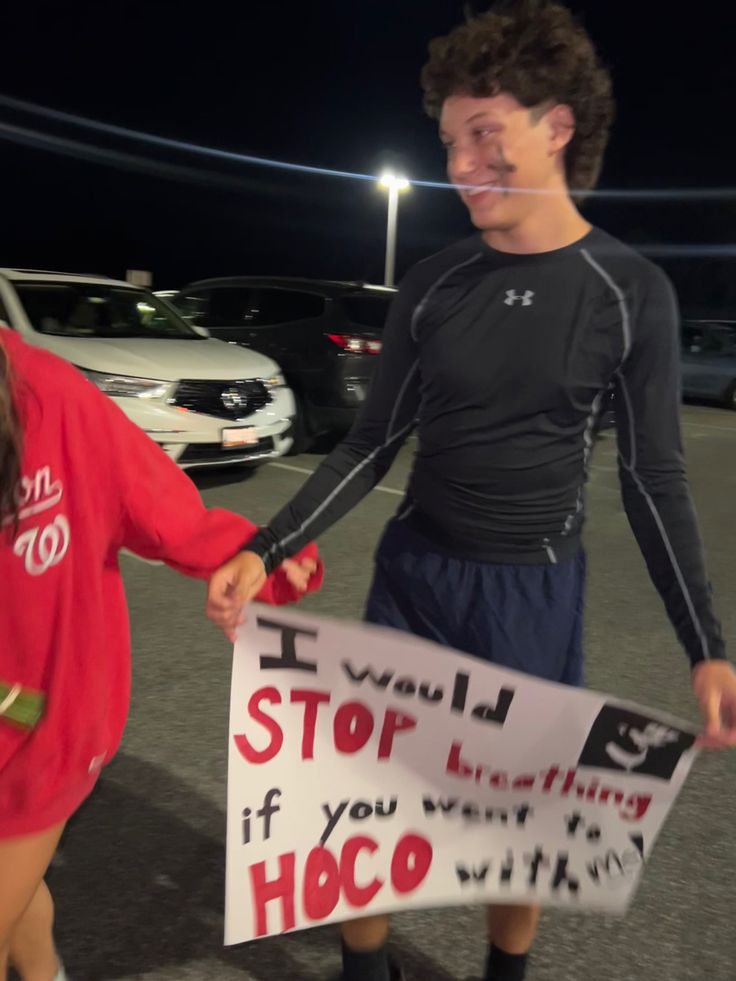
140, 878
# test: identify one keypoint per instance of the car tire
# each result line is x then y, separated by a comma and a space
301, 432
730, 399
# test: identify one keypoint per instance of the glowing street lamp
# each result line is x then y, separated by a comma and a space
394, 185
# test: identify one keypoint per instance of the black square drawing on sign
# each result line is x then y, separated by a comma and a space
623, 740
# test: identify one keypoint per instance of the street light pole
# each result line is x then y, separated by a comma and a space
394, 185
391, 227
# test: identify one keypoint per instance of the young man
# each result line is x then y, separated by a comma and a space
499, 351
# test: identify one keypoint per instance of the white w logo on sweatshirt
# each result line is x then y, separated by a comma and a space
41, 547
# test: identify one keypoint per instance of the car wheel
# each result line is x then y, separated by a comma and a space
730, 399
301, 433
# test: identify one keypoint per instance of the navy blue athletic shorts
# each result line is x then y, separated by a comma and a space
525, 617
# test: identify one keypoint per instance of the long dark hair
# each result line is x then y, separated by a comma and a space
10, 442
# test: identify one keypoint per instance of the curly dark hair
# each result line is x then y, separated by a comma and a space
535, 51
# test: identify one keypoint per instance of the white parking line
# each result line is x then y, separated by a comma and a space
304, 470
705, 425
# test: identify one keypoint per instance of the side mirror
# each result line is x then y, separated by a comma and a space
202, 331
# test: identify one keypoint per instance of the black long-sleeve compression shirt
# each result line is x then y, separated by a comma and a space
501, 363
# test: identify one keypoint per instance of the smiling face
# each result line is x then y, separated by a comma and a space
497, 149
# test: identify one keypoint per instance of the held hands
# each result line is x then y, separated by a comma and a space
714, 684
240, 580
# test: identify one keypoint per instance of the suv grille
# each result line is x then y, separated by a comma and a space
223, 399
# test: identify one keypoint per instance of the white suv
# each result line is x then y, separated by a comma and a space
204, 401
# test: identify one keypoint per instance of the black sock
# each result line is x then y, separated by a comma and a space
365, 965
501, 966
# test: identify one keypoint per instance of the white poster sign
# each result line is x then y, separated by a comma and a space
370, 772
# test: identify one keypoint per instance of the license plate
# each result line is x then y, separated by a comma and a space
239, 437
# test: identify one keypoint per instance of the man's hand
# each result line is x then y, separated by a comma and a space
714, 684
231, 587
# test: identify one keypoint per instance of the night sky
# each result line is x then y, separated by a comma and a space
332, 84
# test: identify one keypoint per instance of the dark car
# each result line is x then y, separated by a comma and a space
709, 361
708, 366
325, 336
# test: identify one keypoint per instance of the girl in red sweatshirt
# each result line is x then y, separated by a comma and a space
78, 482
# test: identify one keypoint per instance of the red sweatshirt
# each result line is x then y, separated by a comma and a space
92, 483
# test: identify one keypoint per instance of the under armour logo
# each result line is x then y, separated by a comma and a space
512, 296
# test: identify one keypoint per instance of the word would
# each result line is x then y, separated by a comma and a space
326, 879
408, 687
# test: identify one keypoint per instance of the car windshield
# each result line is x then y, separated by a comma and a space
706, 339
367, 309
68, 309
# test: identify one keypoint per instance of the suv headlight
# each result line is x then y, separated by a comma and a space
124, 386
274, 381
